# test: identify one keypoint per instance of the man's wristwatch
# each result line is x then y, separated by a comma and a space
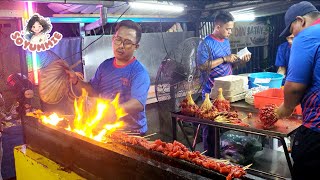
224, 60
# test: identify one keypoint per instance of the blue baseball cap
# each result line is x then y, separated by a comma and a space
300, 9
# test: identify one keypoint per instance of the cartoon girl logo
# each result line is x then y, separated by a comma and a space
38, 29
35, 36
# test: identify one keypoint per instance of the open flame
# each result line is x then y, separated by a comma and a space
53, 119
94, 117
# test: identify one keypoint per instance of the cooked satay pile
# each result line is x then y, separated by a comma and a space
188, 106
178, 150
221, 103
207, 110
268, 116
218, 111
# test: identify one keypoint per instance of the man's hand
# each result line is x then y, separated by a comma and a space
110, 117
231, 58
282, 111
246, 58
73, 78
282, 70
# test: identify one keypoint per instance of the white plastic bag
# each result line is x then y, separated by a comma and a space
249, 98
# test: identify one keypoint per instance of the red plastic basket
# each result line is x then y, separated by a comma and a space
272, 96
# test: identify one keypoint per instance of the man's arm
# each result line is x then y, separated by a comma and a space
214, 63
87, 86
139, 92
246, 58
293, 93
211, 64
280, 60
298, 79
132, 106
282, 70
78, 84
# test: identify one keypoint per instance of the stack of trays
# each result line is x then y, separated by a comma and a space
234, 87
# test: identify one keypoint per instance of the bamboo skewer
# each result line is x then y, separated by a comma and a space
140, 137
245, 118
136, 136
150, 135
220, 160
223, 161
204, 152
247, 166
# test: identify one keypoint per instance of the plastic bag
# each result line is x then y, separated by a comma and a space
249, 98
238, 147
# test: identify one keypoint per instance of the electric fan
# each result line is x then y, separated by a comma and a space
24, 86
24, 89
179, 73
19, 83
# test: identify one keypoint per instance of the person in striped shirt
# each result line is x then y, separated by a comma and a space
214, 55
303, 86
122, 74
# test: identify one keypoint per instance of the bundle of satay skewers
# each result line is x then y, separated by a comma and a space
218, 111
180, 151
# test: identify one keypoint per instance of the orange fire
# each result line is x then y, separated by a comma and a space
94, 117
53, 119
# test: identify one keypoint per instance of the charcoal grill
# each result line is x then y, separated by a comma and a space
96, 160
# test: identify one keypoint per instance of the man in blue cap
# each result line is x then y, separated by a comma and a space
303, 86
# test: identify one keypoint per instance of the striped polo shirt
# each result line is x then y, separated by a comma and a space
212, 48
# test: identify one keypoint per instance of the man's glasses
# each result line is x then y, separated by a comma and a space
126, 42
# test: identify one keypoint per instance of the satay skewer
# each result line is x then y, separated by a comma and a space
123, 130
203, 152
247, 166
135, 136
140, 137
245, 118
221, 160
150, 135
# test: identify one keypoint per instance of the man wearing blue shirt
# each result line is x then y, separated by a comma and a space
283, 55
122, 74
303, 86
214, 56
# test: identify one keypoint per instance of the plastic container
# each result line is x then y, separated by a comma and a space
272, 96
269, 96
269, 79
